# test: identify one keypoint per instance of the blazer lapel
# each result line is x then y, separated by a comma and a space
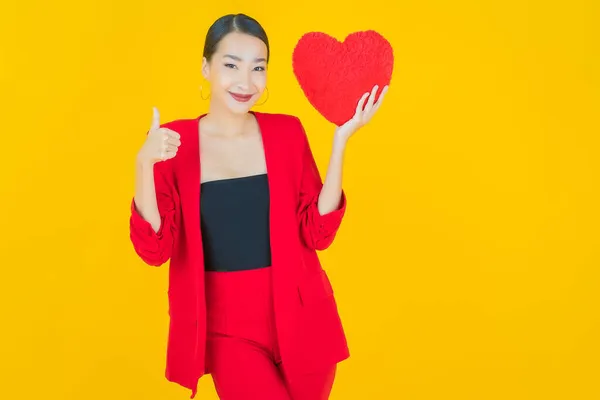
281, 191
273, 162
188, 176
189, 181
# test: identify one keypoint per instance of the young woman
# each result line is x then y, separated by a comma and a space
234, 199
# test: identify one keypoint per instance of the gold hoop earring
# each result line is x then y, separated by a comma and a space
260, 104
202, 94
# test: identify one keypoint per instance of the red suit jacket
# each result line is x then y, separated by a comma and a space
309, 328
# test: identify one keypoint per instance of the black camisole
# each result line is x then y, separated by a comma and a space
235, 223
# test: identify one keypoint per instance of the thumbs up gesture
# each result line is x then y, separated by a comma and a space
161, 143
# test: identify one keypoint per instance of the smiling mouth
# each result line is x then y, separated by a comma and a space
242, 98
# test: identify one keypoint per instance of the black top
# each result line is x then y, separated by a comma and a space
235, 223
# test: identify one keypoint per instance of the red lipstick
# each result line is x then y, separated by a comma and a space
242, 98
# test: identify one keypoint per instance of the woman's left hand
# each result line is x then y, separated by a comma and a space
364, 113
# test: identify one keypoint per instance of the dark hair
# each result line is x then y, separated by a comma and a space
233, 23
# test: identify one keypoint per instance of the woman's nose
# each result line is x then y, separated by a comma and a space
244, 81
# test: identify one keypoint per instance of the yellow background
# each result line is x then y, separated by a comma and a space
467, 265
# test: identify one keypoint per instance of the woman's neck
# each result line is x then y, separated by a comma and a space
222, 122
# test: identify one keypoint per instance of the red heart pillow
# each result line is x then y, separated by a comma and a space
334, 75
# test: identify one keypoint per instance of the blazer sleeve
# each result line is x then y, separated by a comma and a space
155, 248
317, 231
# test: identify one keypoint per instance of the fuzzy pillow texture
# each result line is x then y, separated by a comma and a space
334, 75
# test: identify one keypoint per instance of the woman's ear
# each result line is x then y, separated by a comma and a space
205, 68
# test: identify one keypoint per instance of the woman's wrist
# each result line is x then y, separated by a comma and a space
339, 142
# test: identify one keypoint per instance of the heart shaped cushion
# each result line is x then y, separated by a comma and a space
334, 75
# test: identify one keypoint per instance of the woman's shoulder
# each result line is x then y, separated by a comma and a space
286, 124
278, 117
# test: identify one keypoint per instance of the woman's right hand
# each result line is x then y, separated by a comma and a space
161, 143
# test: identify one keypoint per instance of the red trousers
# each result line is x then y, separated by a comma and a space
242, 352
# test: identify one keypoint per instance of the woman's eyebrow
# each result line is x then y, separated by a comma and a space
236, 58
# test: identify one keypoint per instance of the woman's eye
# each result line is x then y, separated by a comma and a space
260, 68
230, 65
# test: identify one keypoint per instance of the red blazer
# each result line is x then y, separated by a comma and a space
308, 325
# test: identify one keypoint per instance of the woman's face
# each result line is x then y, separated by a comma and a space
237, 72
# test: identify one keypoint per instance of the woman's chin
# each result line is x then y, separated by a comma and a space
240, 107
